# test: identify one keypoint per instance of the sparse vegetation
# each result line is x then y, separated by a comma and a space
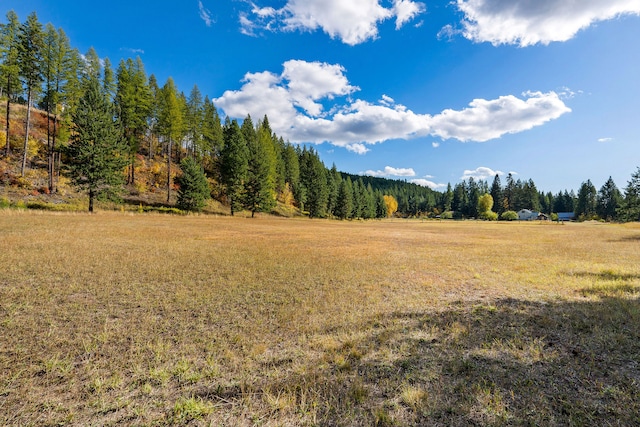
123, 319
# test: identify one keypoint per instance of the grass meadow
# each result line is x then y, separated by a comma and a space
153, 320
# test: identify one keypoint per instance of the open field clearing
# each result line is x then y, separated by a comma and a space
123, 319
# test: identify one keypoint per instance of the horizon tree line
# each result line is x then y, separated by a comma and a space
251, 165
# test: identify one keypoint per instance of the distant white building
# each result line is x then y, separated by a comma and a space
527, 215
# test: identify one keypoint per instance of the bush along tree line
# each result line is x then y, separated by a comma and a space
101, 123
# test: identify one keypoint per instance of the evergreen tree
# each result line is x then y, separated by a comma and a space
133, 105
31, 43
51, 96
91, 68
213, 140
194, 123
447, 199
344, 200
292, 173
170, 122
585, 207
108, 80
234, 164
72, 88
313, 177
381, 206
333, 185
630, 209
496, 194
152, 118
97, 150
608, 201
259, 195
9, 66
509, 194
194, 188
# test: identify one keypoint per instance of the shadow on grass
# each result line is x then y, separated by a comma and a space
608, 275
511, 362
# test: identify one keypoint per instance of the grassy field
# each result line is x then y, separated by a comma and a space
146, 319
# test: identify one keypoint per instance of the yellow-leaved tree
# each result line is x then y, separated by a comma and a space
392, 205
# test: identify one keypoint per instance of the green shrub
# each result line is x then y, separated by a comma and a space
489, 216
509, 216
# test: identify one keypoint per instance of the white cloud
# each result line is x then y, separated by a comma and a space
435, 144
529, 22
605, 139
426, 183
390, 171
481, 173
303, 106
353, 21
132, 50
406, 10
205, 14
490, 119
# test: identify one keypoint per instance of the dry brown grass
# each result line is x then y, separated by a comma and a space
127, 319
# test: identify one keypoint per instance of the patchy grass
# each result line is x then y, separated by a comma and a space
125, 319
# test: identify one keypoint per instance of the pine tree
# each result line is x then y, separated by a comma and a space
9, 66
97, 149
133, 105
509, 194
344, 200
31, 42
291, 162
91, 67
194, 188
212, 137
234, 164
108, 80
609, 200
585, 207
447, 199
259, 192
72, 88
496, 195
194, 122
381, 206
630, 209
170, 122
51, 96
313, 177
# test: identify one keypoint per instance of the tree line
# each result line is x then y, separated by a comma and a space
101, 121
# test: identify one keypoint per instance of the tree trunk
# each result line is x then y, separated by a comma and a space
52, 170
26, 133
169, 172
91, 201
49, 147
8, 147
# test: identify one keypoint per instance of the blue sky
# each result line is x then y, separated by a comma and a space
430, 91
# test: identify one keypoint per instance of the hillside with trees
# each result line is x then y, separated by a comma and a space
73, 125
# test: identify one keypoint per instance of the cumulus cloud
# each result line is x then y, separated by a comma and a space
481, 173
353, 21
205, 14
605, 139
489, 119
390, 171
313, 102
530, 22
435, 144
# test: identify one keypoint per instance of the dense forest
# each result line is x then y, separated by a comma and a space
102, 124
